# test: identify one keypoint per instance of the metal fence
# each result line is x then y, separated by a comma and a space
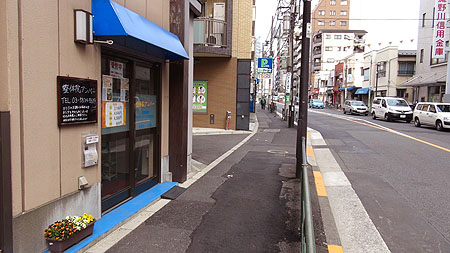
308, 241
210, 32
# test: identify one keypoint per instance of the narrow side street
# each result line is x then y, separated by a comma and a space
247, 203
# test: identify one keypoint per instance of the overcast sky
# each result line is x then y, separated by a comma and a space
379, 31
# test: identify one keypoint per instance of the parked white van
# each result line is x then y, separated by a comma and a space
391, 108
432, 114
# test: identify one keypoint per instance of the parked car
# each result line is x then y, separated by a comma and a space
316, 103
391, 108
432, 114
355, 107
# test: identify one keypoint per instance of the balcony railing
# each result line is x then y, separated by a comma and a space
210, 32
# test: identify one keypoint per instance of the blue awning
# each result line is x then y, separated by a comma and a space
350, 88
112, 19
362, 91
341, 89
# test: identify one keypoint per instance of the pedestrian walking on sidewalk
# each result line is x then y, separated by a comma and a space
263, 103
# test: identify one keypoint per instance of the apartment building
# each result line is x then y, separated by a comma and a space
329, 47
331, 14
429, 81
386, 69
223, 52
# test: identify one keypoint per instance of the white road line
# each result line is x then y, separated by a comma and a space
356, 230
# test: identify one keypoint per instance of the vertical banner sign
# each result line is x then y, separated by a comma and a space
440, 29
200, 97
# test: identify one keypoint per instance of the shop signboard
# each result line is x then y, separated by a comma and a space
440, 29
77, 100
145, 111
200, 97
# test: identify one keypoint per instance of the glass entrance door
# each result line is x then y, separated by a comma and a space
130, 140
146, 109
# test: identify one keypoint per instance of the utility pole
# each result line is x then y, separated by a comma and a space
291, 62
304, 84
376, 81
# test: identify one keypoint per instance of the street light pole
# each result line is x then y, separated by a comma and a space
304, 85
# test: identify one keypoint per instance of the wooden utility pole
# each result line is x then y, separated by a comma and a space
304, 84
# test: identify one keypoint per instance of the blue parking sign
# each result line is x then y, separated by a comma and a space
265, 65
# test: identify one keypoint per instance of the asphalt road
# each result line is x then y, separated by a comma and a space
401, 174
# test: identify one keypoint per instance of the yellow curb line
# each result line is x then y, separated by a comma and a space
320, 186
335, 249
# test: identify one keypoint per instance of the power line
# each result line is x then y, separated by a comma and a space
376, 19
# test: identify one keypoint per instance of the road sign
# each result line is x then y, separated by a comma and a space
265, 65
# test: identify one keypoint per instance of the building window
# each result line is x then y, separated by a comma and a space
321, 13
343, 13
423, 19
406, 68
332, 13
332, 2
320, 23
366, 74
330, 60
344, 2
421, 55
343, 23
362, 71
337, 37
328, 36
328, 48
350, 71
332, 23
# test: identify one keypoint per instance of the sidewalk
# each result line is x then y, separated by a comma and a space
246, 198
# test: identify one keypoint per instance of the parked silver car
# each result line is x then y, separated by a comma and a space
355, 107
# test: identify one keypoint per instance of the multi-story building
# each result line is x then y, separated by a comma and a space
86, 125
429, 81
223, 54
329, 47
331, 15
387, 68
353, 87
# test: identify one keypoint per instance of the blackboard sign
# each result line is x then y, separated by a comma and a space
77, 101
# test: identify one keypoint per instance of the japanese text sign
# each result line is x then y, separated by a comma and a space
77, 100
439, 33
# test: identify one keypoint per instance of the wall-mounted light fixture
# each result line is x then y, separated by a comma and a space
83, 27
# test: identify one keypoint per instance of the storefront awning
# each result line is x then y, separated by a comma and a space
362, 91
426, 79
341, 89
113, 20
351, 88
